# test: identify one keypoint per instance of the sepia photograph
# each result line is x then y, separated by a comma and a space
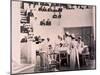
52, 37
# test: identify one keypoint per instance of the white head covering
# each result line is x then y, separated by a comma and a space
73, 35
67, 33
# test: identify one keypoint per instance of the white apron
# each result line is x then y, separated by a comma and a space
67, 44
80, 47
74, 55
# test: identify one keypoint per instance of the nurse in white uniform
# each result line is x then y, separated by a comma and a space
67, 41
74, 53
80, 45
67, 46
44, 55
